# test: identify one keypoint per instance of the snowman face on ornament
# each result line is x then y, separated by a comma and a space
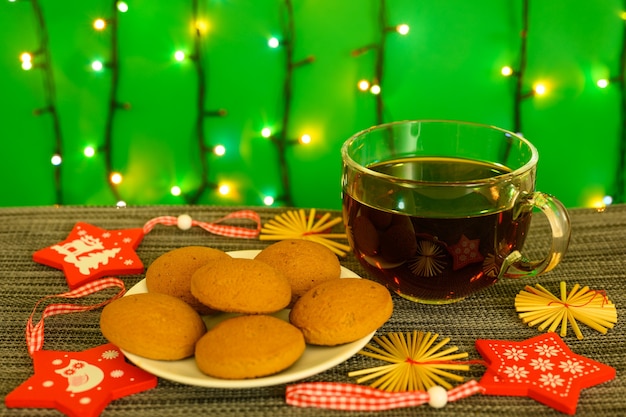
81, 376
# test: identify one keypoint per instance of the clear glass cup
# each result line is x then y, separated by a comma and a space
437, 210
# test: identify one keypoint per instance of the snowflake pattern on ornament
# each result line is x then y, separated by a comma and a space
465, 252
543, 368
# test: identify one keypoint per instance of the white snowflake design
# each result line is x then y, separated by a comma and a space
542, 364
127, 240
516, 372
515, 354
574, 367
110, 354
552, 380
117, 373
428, 261
106, 235
547, 351
128, 262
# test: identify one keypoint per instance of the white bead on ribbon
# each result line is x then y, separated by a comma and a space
185, 222
353, 397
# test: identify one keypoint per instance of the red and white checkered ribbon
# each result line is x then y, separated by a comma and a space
34, 333
215, 227
352, 397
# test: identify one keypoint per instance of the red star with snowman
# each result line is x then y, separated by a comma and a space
79, 383
542, 368
90, 252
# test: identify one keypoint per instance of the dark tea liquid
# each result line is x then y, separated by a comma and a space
433, 259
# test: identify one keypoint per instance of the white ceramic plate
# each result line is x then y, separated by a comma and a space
314, 360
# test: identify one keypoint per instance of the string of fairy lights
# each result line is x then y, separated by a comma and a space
114, 176
374, 85
618, 80
539, 89
279, 135
41, 58
204, 148
281, 138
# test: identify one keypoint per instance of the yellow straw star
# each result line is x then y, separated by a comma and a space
593, 308
297, 225
415, 364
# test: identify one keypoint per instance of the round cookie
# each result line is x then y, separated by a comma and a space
238, 285
249, 347
171, 272
152, 325
341, 311
303, 262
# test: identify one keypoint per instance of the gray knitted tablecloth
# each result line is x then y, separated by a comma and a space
596, 257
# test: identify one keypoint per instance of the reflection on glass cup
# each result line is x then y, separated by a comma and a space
437, 210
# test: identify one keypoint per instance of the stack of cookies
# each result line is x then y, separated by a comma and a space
190, 282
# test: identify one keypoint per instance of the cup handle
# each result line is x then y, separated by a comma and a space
517, 265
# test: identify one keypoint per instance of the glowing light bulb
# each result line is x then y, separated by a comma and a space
56, 159
266, 132
179, 56
601, 203
97, 65
375, 89
273, 43
219, 150
175, 190
268, 200
539, 89
99, 24
364, 85
402, 29
89, 151
202, 26
224, 189
122, 6
506, 71
623, 15
116, 178
120, 204
603, 83
27, 61
305, 139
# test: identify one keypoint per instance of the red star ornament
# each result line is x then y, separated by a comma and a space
542, 368
465, 252
90, 252
79, 383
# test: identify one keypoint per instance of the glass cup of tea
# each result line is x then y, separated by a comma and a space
438, 210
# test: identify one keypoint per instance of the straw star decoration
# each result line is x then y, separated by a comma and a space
415, 364
590, 307
297, 225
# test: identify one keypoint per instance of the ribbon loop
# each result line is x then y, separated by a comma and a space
35, 332
185, 222
352, 397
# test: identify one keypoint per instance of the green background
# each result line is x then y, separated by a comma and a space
446, 67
